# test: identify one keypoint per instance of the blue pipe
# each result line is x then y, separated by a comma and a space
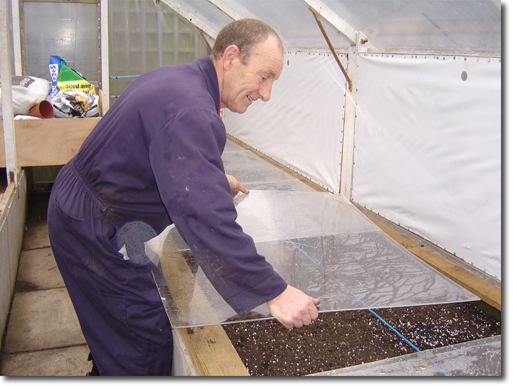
123, 76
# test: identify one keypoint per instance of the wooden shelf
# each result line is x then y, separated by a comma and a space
45, 142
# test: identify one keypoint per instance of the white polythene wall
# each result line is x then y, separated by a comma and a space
301, 126
428, 150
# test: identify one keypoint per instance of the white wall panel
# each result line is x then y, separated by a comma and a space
428, 150
302, 124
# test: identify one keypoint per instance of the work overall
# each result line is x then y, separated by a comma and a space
153, 159
116, 300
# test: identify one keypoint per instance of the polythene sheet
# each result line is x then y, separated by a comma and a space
428, 150
293, 22
302, 124
318, 242
457, 27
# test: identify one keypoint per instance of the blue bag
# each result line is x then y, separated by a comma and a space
55, 66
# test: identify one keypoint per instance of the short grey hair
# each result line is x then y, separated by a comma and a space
245, 34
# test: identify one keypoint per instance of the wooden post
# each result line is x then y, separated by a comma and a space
8, 148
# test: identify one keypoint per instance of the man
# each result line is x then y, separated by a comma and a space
155, 159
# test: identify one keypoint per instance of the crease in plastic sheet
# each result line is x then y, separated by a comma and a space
319, 243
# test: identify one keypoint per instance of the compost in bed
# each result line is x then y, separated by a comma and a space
348, 338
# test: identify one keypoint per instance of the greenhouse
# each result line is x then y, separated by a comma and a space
374, 171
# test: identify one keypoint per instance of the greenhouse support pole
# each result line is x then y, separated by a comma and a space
104, 51
7, 110
346, 169
16, 37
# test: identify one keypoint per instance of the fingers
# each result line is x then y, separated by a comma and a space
243, 189
306, 318
236, 186
305, 321
293, 308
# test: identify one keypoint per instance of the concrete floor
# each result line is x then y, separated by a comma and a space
43, 336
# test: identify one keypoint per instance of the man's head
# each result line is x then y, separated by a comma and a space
248, 56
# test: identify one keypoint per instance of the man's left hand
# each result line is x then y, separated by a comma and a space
236, 186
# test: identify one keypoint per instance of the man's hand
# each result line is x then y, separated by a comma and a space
293, 308
236, 186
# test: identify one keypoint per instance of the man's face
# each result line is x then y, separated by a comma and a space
245, 83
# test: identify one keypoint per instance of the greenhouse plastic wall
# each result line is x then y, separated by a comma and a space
428, 142
428, 150
301, 126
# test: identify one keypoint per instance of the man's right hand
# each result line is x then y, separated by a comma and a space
293, 308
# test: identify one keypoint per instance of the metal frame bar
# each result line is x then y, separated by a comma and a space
16, 37
191, 18
104, 53
228, 9
346, 168
336, 21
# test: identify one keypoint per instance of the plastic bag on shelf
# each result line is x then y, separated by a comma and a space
74, 103
27, 91
65, 78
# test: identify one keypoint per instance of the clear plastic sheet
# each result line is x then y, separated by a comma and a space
255, 174
318, 242
478, 358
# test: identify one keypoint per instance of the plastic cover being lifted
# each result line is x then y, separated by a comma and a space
319, 243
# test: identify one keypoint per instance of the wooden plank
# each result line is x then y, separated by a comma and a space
45, 142
209, 348
486, 291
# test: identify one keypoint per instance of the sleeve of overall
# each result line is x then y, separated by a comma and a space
186, 160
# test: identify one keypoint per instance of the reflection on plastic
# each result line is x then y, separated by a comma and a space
239, 197
482, 357
319, 243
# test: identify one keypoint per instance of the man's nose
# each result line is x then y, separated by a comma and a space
265, 91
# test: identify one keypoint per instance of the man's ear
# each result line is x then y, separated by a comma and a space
231, 56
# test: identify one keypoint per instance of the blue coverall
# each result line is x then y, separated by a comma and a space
154, 159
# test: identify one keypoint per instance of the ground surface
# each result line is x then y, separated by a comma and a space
341, 339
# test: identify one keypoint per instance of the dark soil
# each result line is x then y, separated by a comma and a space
347, 338
3, 180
